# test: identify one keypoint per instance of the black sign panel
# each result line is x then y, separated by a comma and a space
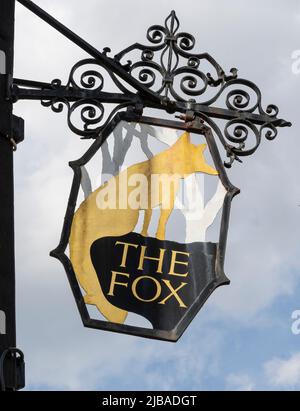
159, 280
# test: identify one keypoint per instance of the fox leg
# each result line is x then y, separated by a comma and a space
166, 212
87, 277
161, 230
147, 219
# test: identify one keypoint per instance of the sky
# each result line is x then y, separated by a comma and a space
242, 339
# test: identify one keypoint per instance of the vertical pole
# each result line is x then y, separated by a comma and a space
7, 258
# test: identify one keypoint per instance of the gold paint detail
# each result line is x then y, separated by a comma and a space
93, 221
113, 282
158, 288
174, 293
125, 251
160, 259
174, 262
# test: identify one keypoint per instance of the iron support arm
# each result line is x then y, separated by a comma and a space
101, 57
71, 94
45, 91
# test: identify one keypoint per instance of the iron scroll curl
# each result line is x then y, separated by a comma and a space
166, 74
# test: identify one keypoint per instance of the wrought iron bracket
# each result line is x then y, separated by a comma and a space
169, 76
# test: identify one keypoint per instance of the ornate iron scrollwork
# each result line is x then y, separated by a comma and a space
172, 46
163, 58
90, 110
167, 75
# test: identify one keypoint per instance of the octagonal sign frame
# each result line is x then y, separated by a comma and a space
214, 272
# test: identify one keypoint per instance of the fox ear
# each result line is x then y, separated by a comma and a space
185, 137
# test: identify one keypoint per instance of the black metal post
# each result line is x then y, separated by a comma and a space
9, 364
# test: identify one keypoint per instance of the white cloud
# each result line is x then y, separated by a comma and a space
239, 382
284, 373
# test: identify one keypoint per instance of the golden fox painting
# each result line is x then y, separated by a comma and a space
92, 221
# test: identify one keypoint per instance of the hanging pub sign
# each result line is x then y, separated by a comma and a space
138, 241
144, 238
